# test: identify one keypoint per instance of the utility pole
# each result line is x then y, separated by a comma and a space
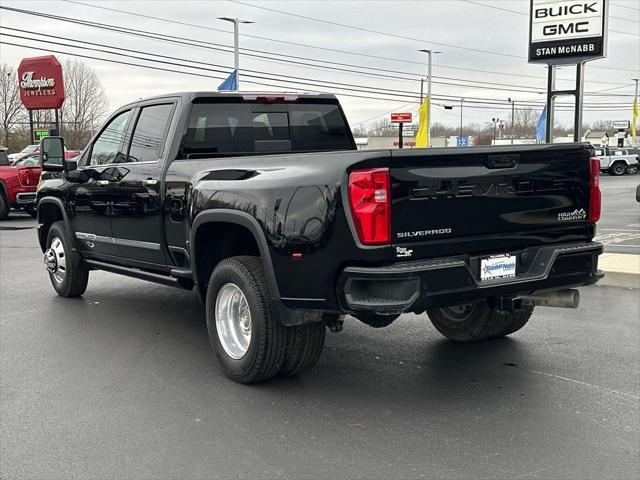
429, 55
513, 111
236, 44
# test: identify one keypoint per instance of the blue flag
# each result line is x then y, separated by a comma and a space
541, 126
231, 83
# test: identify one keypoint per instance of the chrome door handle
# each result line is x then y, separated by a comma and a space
150, 182
102, 182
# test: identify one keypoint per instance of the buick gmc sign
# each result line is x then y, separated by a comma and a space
567, 31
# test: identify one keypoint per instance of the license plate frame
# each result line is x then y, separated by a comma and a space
498, 267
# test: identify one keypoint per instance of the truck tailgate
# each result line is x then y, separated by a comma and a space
445, 194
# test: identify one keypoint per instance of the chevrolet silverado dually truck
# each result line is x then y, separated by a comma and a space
262, 204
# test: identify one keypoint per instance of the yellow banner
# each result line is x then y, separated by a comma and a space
635, 119
422, 138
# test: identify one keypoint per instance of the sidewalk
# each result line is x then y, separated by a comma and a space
621, 270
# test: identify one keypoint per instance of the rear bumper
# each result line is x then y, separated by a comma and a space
26, 198
412, 286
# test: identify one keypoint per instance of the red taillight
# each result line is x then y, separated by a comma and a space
24, 177
370, 202
595, 197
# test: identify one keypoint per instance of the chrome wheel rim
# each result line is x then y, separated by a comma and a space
55, 260
458, 313
233, 321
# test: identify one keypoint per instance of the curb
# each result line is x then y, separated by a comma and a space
621, 270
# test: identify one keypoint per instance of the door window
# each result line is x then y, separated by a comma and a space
106, 148
149, 135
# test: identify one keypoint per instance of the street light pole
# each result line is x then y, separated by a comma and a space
513, 111
495, 123
236, 45
461, 100
635, 97
429, 54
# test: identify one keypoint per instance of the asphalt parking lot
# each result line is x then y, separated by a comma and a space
122, 384
619, 227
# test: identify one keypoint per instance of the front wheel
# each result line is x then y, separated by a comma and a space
4, 207
477, 321
66, 272
248, 339
618, 168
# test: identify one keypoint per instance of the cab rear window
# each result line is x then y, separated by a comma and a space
223, 129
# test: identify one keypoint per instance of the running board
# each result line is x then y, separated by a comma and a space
139, 274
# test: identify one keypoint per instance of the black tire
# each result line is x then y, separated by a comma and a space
31, 210
514, 321
303, 349
475, 322
267, 344
617, 169
76, 275
4, 207
632, 169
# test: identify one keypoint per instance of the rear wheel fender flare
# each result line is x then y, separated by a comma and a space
245, 220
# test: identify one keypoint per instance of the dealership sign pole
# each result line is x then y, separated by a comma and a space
567, 32
41, 87
401, 119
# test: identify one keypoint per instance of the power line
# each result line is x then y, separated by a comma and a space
517, 88
473, 86
292, 79
213, 46
344, 25
378, 32
262, 83
526, 14
625, 6
324, 49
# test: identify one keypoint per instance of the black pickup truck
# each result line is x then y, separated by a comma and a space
262, 204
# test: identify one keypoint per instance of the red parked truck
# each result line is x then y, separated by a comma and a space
18, 182
18, 186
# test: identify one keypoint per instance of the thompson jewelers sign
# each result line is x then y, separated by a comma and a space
41, 83
567, 31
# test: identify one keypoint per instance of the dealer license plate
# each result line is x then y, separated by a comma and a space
498, 266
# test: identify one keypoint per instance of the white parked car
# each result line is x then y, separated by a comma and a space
22, 153
617, 161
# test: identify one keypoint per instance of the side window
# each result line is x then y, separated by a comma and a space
106, 148
149, 135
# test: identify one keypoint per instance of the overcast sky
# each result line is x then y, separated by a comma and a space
481, 41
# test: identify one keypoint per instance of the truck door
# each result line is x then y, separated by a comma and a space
136, 186
90, 199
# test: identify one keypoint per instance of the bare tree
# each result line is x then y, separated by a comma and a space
524, 122
379, 127
85, 103
602, 125
11, 109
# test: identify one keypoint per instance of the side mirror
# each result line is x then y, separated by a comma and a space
52, 154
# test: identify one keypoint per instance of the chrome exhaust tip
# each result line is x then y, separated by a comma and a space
569, 298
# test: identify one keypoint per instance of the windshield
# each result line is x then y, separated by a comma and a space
29, 148
251, 127
31, 161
